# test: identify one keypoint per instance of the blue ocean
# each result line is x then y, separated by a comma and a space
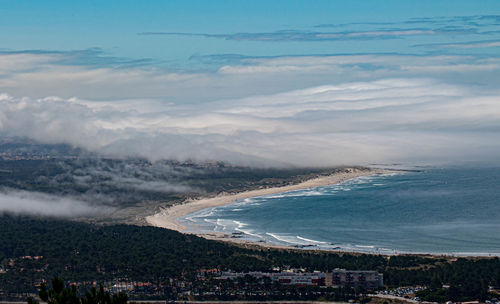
438, 210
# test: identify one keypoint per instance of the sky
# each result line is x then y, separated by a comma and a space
288, 83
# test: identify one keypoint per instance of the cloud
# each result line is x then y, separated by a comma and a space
35, 203
304, 110
95, 57
464, 45
477, 21
444, 27
47, 74
235, 77
346, 123
88, 178
285, 110
301, 35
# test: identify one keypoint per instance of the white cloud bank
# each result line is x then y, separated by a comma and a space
34, 203
326, 110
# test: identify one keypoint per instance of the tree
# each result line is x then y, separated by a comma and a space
100, 296
58, 294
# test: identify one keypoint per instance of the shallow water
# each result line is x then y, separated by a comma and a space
449, 211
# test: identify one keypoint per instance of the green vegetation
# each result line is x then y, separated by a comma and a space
80, 252
59, 294
126, 182
34, 250
466, 291
38, 249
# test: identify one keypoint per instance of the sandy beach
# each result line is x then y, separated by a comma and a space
168, 217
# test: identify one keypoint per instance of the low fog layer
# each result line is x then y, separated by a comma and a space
115, 182
35, 203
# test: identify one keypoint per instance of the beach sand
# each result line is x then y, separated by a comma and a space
168, 217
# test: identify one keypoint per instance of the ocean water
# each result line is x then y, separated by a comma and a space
441, 210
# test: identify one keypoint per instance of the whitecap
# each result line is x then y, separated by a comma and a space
240, 224
309, 240
249, 232
280, 238
365, 246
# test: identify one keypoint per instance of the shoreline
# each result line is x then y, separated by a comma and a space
168, 217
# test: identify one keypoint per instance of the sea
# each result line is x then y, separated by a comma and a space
450, 211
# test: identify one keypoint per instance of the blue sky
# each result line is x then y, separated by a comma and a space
256, 82
113, 26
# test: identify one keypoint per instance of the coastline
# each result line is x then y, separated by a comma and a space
168, 217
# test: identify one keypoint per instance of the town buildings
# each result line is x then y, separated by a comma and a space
337, 278
354, 278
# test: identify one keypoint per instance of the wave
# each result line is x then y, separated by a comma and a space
249, 232
309, 240
230, 226
297, 193
219, 225
240, 224
314, 191
365, 246
279, 238
243, 202
203, 214
361, 234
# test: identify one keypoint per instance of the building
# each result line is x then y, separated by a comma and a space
121, 287
301, 279
336, 278
284, 278
354, 278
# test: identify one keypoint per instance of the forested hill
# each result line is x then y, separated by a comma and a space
33, 249
125, 190
121, 183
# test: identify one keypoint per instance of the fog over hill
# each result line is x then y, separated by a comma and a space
62, 181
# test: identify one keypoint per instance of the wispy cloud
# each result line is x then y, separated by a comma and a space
476, 20
464, 45
301, 35
414, 27
95, 57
